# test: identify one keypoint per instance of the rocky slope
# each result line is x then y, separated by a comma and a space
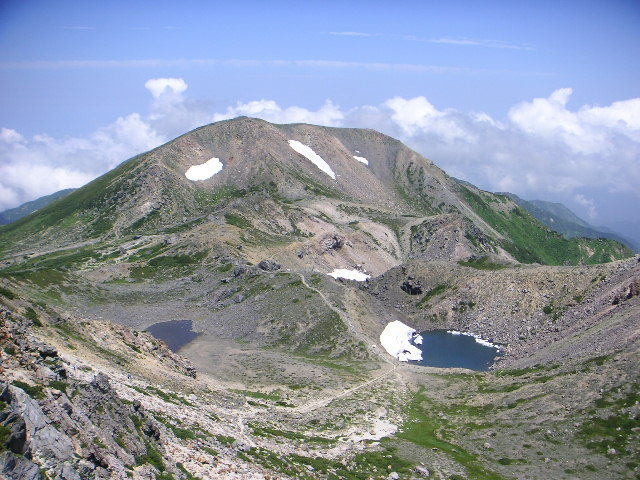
88, 399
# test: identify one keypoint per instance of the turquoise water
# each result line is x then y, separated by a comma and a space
446, 350
176, 333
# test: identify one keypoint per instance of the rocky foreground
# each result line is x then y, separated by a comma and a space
118, 404
91, 399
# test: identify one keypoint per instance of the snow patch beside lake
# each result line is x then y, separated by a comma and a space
204, 170
396, 340
349, 274
312, 156
361, 160
477, 338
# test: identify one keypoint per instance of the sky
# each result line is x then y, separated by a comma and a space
541, 99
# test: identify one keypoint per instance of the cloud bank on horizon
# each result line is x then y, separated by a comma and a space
541, 148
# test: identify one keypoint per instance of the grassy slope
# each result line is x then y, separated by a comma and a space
66, 211
530, 242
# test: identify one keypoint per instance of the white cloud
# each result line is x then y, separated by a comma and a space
30, 168
590, 130
164, 86
419, 115
8, 135
480, 43
329, 114
587, 202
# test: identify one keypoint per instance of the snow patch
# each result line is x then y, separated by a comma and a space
477, 338
312, 156
361, 160
350, 274
204, 170
396, 339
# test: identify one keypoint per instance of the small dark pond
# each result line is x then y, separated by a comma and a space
176, 333
447, 350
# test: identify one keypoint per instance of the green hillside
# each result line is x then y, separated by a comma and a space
528, 241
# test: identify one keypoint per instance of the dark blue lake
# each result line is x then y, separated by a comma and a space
447, 350
176, 333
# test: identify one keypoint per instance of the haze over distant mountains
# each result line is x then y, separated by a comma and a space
559, 218
13, 214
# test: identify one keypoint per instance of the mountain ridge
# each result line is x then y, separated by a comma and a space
151, 192
561, 219
13, 214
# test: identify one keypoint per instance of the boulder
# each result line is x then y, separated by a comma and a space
269, 266
16, 467
412, 287
17, 441
333, 242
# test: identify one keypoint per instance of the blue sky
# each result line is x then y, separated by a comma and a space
539, 98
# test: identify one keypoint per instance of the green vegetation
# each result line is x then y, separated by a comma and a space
422, 428
599, 361
32, 315
437, 290
183, 433
167, 266
152, 457
617, 427
168, 261
169, 397
62, 259
258, 395
482, 263
237, 220
5, 434
376, 464
71, 209
181, 467
531, 242
225, 440
36, 392
7, 293
519, 372
224, 268
58, 385
462, 306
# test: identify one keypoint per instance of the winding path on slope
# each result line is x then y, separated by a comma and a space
345, 318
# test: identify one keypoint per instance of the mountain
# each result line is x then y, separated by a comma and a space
13, 214
562, 220
225, 243
400, 201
